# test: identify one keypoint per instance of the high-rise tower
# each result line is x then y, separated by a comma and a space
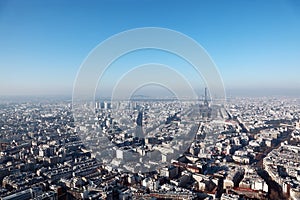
206, 98
205, 110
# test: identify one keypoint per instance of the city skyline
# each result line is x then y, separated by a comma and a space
149, 99
254, 44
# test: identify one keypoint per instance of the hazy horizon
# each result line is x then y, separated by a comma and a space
293, 93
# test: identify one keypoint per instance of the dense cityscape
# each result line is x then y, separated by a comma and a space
246, 149
149, 100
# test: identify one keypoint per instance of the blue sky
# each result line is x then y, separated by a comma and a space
255, 44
